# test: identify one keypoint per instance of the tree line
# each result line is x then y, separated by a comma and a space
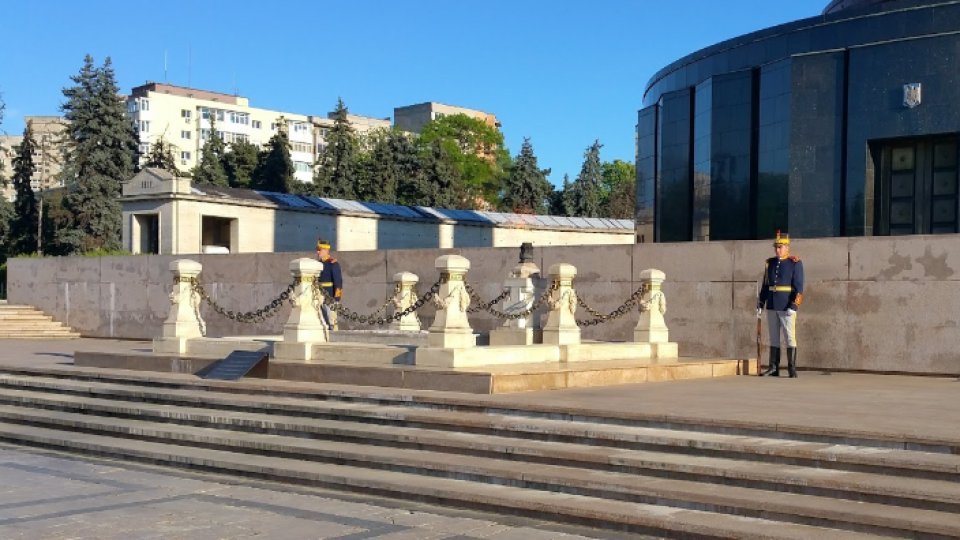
456, 161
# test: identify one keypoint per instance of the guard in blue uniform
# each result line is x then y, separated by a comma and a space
331, 281
781, 295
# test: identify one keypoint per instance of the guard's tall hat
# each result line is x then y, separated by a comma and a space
323, 244
782, 239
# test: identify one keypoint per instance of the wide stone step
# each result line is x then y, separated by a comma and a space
115, 399
465, 403
881, 519
542, 504
917, 493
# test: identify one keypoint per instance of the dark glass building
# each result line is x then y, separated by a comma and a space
845, 124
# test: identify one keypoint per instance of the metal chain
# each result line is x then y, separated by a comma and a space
374, 319
554, 285
483, 306
250, 317
600, 318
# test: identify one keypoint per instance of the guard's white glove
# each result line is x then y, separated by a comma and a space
759, 312
791, 312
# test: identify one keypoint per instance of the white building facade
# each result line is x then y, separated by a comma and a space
181, 117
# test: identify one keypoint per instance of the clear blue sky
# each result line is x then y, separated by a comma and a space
562, 73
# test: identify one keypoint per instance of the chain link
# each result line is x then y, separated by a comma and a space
483, 306
554, 285
375, 318
600, 318
249, 317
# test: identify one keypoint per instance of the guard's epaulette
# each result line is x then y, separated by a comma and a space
794, 258
331, 260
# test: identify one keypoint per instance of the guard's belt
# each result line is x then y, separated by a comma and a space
781, 288
330, 284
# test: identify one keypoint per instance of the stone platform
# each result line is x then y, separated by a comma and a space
477, 380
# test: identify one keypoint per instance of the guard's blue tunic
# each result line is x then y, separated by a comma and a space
782, 287
331, 279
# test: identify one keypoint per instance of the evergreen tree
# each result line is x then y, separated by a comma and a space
274, 170
441, 184
567, 205
161, 157
240, 162
337, 168
392, 165
101, 154
527, 188
587, 189
210, 169
23, 228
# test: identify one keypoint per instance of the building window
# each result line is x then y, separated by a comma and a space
300, 147
186, 134
302, 166
240, 118
144, 125
186, 113
256, 124
300, 127
144, 104
144, 148
185, 155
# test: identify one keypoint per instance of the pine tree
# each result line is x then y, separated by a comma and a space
588, 187
240, 162
274, 170
23, 228
161, 157
527, 188
101, 154
210, 168
441, 184
566, 201
392, 165
337, 172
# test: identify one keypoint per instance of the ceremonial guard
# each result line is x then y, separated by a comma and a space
781, 295
331, 281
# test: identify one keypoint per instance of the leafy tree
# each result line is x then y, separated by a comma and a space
475, 150
337, 171
161, 157
3, 108
23, 228
209, 169
620, 187
101, 153
6, 219
527, 189
240, 162
274, 171
587, 189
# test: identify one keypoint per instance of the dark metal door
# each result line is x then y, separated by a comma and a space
918, 187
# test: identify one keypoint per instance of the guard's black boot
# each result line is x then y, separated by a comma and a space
773, 367
792, 362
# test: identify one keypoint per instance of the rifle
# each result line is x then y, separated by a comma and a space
759, 330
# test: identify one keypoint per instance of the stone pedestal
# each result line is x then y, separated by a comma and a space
651, 328
522, 293
184, 322
304, 328
406, 296
561, 326
450, 328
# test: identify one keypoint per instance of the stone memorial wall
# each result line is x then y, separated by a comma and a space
874, 304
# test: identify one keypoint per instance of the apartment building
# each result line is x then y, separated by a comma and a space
182, 117
47, 158
412, 118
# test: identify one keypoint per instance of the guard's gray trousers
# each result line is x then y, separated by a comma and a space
782, 322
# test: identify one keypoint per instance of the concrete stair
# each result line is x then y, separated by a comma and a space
642, 475
27, 322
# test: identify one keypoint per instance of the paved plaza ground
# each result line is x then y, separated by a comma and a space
50, 495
